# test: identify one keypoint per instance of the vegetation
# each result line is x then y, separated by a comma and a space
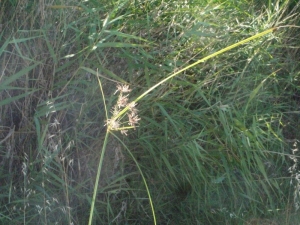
216, 143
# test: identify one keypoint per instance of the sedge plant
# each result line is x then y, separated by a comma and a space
124, 107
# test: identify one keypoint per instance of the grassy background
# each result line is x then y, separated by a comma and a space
217, 144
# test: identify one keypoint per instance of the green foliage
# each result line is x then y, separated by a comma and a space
215, 144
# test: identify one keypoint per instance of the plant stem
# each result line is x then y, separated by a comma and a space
97, 178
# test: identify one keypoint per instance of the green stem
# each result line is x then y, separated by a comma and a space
144, 179
194, 64
97, 178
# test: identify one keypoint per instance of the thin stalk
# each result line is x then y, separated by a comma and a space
101, 159
97, 178
196, 63
144, 179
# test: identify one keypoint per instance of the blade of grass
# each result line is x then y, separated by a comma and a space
4, 45
17, 75
50, 48
114, 76
11, 99
254, 93
118, 45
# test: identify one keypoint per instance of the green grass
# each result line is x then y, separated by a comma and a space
215, 141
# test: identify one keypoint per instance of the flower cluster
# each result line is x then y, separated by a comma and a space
123, 106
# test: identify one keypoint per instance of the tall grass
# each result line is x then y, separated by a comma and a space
215, 141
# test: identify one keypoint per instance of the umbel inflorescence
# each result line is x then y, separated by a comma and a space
122, 107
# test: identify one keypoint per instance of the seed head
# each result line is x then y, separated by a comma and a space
123, 88
115, 122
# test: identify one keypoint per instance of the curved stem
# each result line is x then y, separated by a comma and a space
196, 63
143, 177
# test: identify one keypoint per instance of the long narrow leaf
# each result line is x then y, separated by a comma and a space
4, 46
11, 99
16, 76
118, 45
